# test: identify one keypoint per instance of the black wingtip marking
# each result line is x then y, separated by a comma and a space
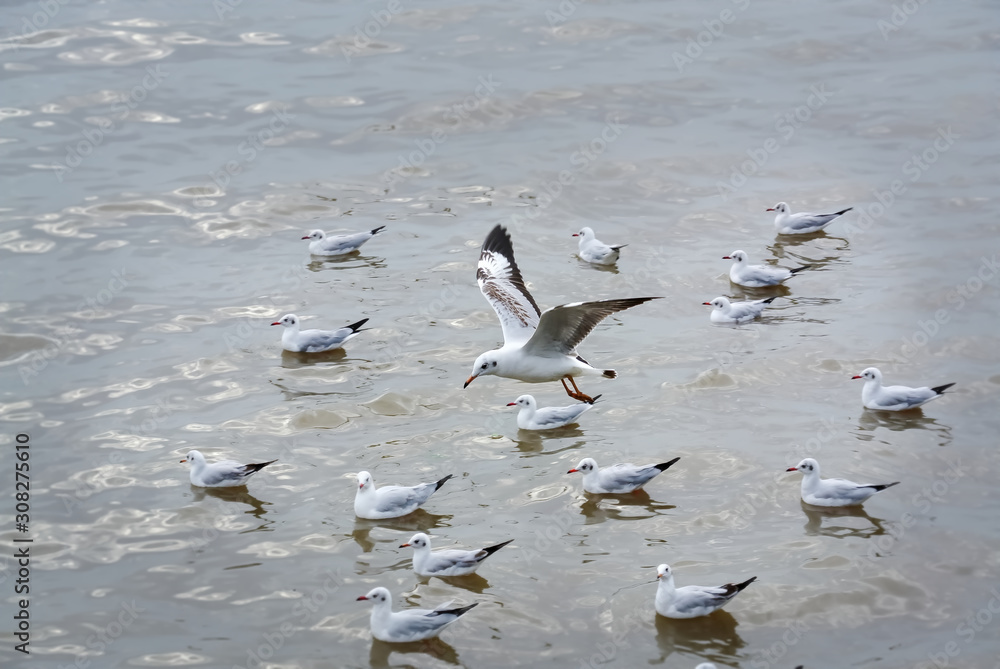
799, 269
882, 486
610, 374
357, 326
618, 247
377, 230
741, 586
844, 211
257, 466
663, 466
459, 611
443, 481
493, 549
940, 389
498, 241
770, 299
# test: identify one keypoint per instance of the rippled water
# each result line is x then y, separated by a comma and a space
161, 162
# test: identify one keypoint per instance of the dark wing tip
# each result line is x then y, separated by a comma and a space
882, 486
377, 230
356, 326
744, 584
799, 269
490, 550
844, 211
442, 481
499, 240
940, 389
770, 299
459, 611
663, 466
257, 466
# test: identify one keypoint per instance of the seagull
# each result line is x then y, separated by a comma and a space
449, 562
692, 601
338, 245
390, 501
529, 417
538, 347
894, 398
833, 492
617, 479
222, 474
593, 250
411, 624
757, 276
314, 341
736, 312
787, 223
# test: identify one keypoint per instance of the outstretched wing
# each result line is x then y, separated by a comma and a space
561, 329
501, 283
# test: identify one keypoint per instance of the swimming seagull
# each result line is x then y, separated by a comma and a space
757, 276
338, 245
692, 601
617, 479
787, 223
448, 562
593, 250
538, 347
530, 417
390, 501
314, 341
222, 474
736, 312
894, 398
833, 492
410, 624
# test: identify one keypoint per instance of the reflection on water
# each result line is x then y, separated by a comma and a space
295, 360
436, 648
711, 638
601, 508
532, 442
418, 521
347, 262
869, 421
820, 521
240, 495
471, 582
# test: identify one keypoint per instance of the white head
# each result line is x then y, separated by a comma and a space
485, 365
870, 374
288, 320
736, 256
418, 541
719, 303
585, 233
587, 466
315, 235
781, 208
664, 573
524, 401
365, 482
808, 467
196, 459
377, 596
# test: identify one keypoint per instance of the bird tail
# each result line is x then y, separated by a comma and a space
356, 327
844, 211
770, 299
940, 389
378, 230
456, 612
493, 549
741, 586
663, 466
610, 374
256, 467
799, 269
442, 481
616, 247
882, 486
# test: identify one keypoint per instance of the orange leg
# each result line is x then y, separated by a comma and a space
575, 393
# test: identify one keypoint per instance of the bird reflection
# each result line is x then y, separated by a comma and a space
611, 269
786, 241
616, 507
815, 515
471, 582
348, 261
238, 494
710, 638
380, 652
291, 360
739, 292
418, 521
897, 421
533, 441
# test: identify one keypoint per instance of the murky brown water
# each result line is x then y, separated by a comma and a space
162, 162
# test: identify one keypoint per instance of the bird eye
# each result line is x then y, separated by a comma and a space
485, 365
494, 364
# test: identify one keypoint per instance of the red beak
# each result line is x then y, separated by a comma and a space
727, 257
771, 209
512, 404
360, 486
361, 598
572, 470
707, 303
403, 545
468, 381
307, 237
576, 234
276, 323
792, 469
184, 460
856, 377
